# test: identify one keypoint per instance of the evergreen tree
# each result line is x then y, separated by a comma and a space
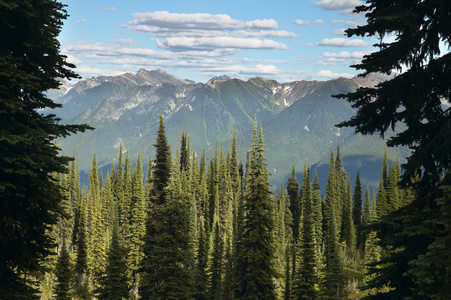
393, 193
366, 218
431, 271
169, 276
348, 229
334, 279
96, 242
295, 203
305, 282
331, 190
357, 208
414, 98
202, 263
137, 229
162, 164
63, 274
317, 211
257, 249
115, 282
216, 265
30, 198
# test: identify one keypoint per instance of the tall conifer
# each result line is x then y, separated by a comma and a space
257, 250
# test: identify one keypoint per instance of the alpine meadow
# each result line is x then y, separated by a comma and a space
143, 185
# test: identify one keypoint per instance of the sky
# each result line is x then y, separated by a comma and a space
285, 40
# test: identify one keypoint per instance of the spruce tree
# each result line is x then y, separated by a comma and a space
334, 282
166, 273
306, 279
115, 283
255, 279
357, 208
63, 274
295, 203
137, 229
162, 164
169, 276
216, 264
416, 31
331, 194
348, 229
31, 64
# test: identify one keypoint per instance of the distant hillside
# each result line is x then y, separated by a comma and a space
298, 119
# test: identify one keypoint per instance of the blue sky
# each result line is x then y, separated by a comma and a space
282, 40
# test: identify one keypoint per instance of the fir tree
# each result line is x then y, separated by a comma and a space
166, 273
348, 229
334, 280
317, 212
305, 282
30, 198
115, 282
137, 229
257, 249
216, 265
63, 274
357, 208
295, 203
414, 99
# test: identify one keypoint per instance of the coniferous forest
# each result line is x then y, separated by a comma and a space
197, 229
192, 227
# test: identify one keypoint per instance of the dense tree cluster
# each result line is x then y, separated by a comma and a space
198, 229
416, 103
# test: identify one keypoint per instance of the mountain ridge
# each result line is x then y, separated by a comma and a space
298, 116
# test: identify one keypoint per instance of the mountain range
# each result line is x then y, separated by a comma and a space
298, 120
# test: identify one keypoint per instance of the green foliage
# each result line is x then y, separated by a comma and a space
63, 273
115, 285
306, 278
256, 271
30, 198
357, 208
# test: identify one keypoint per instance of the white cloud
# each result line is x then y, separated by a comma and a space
301, 22
318, 21
339, 32
265, 33
165, 21
82, 21
343, 57
330, 74
348, 23
183, 43
343, 6
262, 24
343, 42
110, 8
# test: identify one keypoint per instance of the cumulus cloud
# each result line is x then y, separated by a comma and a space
110, 8
348, 23
343, 6
180, 44
343, 57
343, 42
184, 32
262, 24
265, 33
330, 74
82, 21
340, 31
165, 21
318, 21
301, 22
